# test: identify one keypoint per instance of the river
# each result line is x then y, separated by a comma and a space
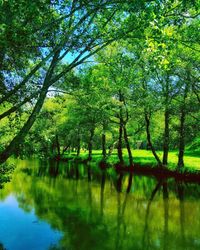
80, 207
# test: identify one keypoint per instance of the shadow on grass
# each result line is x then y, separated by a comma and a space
192, 153
144, 160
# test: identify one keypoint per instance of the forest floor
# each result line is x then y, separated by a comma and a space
145, 157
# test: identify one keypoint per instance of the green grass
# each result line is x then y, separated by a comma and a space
145, 157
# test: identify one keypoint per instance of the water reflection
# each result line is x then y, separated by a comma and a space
100, 209
146, 234
103, 181
166, 215
1, 247
180, 193
130, 179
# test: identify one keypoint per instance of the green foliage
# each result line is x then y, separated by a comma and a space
5, 173
145, 59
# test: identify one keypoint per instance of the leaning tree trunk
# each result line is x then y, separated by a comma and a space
111, 148
18, 139
128, 146
66, 148
147, 119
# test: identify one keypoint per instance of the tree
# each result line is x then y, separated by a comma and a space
82, 29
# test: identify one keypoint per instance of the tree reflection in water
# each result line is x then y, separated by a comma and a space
99, 209
180, 194
2, 247
166, 215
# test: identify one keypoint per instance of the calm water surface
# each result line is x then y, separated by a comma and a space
70, 206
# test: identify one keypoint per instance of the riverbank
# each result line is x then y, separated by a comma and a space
145, 164
144, 158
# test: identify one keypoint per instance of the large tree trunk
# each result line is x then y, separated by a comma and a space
147, 119
55, 52
128, 146
19, 138
17, 106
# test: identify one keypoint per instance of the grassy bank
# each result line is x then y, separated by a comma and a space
145, 157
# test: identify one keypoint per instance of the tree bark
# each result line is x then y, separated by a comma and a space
17, 106
18, 139
147, 119
128, 146
78, 146
12, 92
